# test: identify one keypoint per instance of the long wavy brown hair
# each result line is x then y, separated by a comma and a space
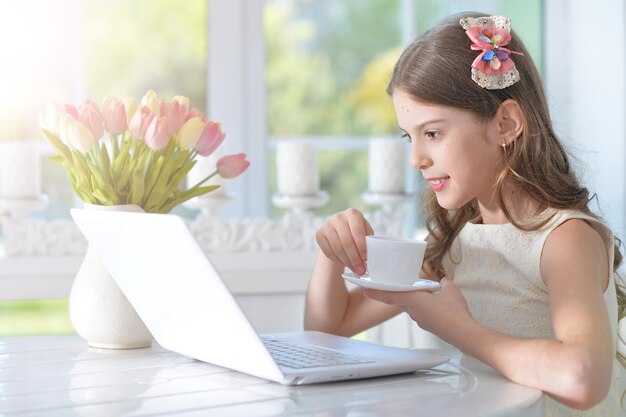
435, 68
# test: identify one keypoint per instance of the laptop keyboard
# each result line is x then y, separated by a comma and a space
298, 356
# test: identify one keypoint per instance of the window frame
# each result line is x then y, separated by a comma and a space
237, 97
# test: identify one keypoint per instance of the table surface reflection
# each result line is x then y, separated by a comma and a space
62, 376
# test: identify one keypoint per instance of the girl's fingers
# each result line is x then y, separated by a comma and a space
360, 228
336, 248
345, 235
344, 252
342, 239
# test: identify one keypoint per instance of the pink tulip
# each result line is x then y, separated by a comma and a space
210, 139
157, 134
175, 113
91, 116
114, 116
71, 109
231, 166
193, 113
183, 101
139, 123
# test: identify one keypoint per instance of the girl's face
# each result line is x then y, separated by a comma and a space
458, 154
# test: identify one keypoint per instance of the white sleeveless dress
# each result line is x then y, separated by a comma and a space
497, 267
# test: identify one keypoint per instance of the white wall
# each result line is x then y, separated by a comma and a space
585, 44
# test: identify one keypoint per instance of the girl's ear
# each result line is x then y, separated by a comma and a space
510, 120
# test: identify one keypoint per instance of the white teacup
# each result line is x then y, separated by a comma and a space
394, 260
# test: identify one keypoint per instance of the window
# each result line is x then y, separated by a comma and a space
70, 50
327, 67
317, 72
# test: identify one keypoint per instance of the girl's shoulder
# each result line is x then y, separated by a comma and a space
575, 223
573, 236
574, 230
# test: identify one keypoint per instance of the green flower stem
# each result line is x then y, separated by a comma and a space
133, 154
115, 146
106, 165
148, 164
94, 155
206, 179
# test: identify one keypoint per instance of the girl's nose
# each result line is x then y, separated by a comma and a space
419, 158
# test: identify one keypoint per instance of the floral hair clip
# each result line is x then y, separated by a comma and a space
493, 69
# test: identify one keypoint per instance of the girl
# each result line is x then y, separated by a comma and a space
526, 268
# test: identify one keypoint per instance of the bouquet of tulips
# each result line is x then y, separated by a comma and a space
129, 152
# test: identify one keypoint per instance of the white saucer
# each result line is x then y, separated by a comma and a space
365, 282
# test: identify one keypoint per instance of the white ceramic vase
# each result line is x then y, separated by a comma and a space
99, 311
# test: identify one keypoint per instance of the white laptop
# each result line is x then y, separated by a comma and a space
179, 295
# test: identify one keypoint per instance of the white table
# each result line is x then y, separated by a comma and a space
61, 376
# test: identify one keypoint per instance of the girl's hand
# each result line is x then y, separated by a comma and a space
342, 239
442, 313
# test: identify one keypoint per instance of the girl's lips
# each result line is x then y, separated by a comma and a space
438, 184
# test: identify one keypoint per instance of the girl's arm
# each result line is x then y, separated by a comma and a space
330, 307
574, 368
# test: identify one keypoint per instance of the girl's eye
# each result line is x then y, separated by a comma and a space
406, 137
432, 134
